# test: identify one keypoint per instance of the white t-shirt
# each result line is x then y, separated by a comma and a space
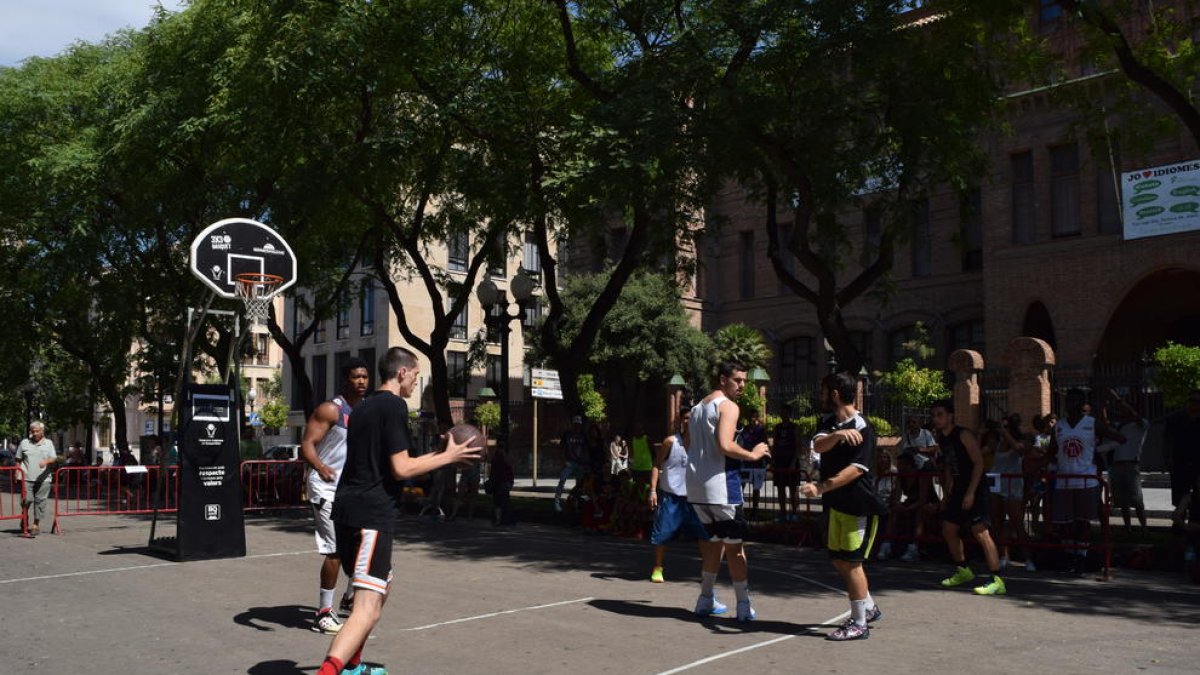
1135, 438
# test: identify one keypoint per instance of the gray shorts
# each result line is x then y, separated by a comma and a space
1077, 504
1126, 484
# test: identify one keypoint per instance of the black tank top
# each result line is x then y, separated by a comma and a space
958, 462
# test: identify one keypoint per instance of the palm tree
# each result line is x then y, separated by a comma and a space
743, 344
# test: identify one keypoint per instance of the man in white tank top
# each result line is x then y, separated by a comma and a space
1076, 497
714, 487
672, 513
324, 449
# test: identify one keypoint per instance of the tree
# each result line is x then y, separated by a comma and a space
742, 344
827, 107
1177, 372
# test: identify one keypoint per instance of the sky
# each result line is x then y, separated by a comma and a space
47, 27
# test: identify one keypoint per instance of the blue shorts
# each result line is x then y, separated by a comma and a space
675, 514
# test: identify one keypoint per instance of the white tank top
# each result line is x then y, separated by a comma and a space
674, 469
332, 452
711, 477
1076, 452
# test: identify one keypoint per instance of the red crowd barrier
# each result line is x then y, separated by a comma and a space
12, 493
273, 484
112, 490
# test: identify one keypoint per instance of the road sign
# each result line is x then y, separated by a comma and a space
236, 246
545, 384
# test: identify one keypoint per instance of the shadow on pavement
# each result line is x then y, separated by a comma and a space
716, 624
279, 667
291, 617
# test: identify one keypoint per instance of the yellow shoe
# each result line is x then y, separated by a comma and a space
996, 587
656, 576
961, 576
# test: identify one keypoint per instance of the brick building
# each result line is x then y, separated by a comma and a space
1037, 249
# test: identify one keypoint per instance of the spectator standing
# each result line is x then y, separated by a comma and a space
1007, 496
379, 459
846, 443
785, 466
1185, 527
37, 458
754, 473
323, 449
965, 506
918, 441
499, 485
1076, 501
1125, 470
714, 489
574, 446
618, 456
884, 472
913, 502
1181, 447
641, 459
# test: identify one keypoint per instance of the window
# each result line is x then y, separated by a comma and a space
339, 363
343, 317
320, 377
368, 355
533, 312
1064, 190
922, 239
458, 325
495, 316
458, 248
1024, 222
1108, 199
456, 369
366, 322
497, 261
531, 262
797, 362
872, 235
972, 230
261, 357
897, 348
495, 376
297, 398
1049, 16
746, 257
295, 317
965, 335
319, 333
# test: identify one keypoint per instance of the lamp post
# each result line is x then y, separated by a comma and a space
758, 375
490, 296
29, 390
675, 387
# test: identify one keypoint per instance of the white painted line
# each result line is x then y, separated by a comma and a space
146, 567
741, 650
493, 614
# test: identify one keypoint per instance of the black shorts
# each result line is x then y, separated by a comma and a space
978, 514
366, 557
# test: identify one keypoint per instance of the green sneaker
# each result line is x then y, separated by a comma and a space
995, 587
656, 576
961, 576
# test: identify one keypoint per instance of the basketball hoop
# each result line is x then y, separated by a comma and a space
256, 291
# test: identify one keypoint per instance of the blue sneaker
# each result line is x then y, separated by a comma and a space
364, 669
745, 612
708, 604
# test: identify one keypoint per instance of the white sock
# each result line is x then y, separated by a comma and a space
707, 579
858, 611
349, 593
326, 601
870, 602
741, 589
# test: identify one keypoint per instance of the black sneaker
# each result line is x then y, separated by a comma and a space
346, 605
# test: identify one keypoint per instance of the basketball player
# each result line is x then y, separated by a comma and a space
966, 504
378, 461
672, 513
324, 449
846, 443
714, 488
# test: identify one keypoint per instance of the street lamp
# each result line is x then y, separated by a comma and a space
29, 389
490, 296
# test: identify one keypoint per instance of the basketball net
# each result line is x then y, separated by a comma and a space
256, 292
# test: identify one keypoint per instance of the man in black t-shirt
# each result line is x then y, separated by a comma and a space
846, 443
966, 504
366, 505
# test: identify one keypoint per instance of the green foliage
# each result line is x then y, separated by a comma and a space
741, 343
751, 402
487, 414
594, 407
1177, 372
806, 425
882, 426
918, 346
914, 386
274, 413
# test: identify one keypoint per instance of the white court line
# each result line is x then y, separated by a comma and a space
735, 652
492, 614
146, 567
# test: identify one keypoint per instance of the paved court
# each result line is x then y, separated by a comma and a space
540, 599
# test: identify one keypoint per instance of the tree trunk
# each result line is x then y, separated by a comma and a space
116, 402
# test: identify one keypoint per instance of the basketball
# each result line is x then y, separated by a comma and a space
462, 433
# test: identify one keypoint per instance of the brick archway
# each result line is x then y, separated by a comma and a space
1162, 306
1038, 324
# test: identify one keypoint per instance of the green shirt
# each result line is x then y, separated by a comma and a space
641, 459
31, 455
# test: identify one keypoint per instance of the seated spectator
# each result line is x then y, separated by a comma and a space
918, 442
885, 482
913, 505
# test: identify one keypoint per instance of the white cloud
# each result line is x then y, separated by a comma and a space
47, 27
